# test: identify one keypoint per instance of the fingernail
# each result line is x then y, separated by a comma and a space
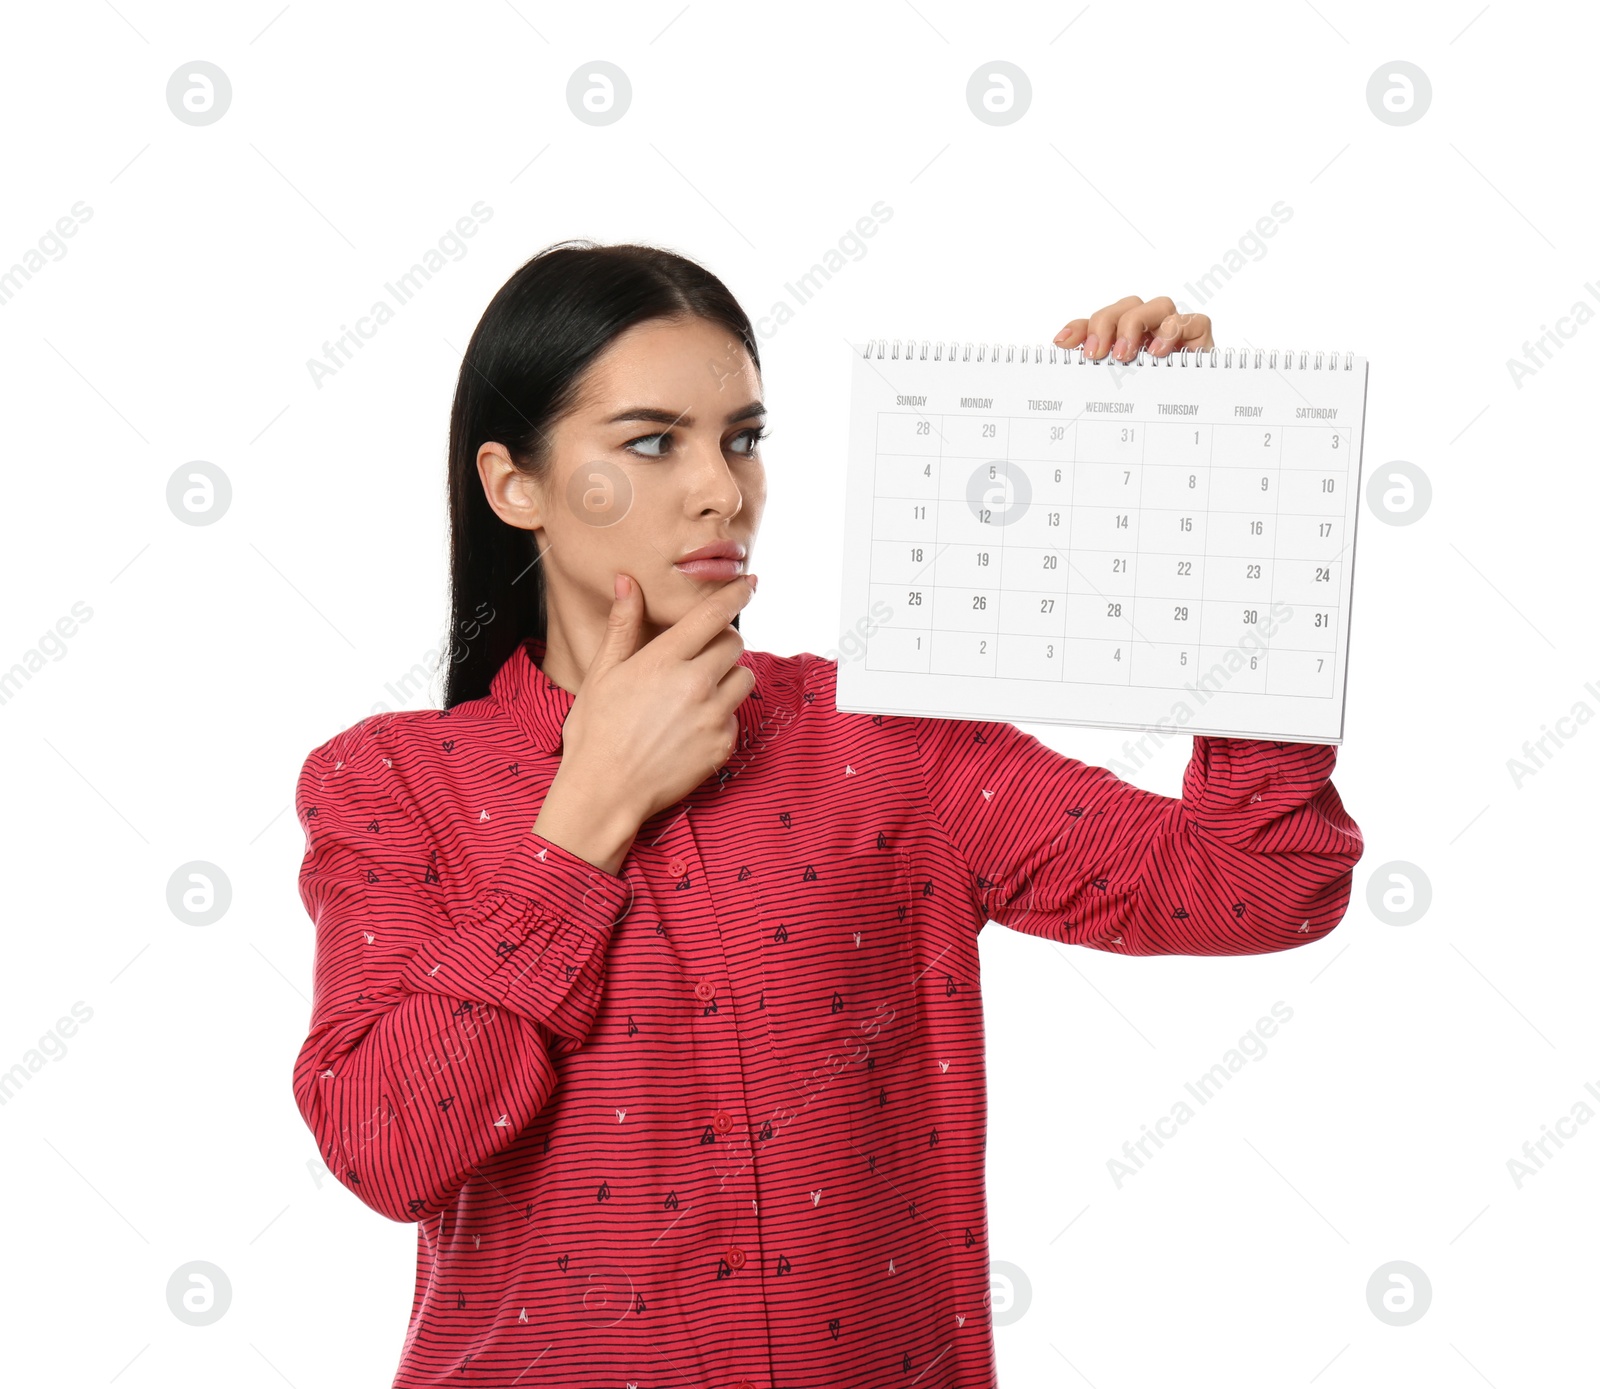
1091, 344
1156, 344
1119, 349
619, 586
754, 580
1058, 337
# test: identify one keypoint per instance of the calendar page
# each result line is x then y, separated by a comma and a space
1032, 536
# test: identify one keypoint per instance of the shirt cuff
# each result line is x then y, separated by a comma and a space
538, 945
541, 869
1238, 785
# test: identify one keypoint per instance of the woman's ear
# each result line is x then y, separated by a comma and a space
513, 495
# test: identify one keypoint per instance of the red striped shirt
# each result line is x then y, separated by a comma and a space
719, 1119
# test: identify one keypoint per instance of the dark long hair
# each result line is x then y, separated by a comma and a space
522, 370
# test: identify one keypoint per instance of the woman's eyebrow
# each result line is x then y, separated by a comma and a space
654, 416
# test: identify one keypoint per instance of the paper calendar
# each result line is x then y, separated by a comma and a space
1031, 535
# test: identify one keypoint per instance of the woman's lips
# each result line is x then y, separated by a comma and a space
724, 569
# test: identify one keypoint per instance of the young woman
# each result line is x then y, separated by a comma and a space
646, 982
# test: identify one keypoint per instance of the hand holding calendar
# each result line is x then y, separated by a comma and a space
1121, 329
1128, 528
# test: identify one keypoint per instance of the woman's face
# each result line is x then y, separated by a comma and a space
658, 458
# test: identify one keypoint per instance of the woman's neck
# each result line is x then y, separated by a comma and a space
570, 648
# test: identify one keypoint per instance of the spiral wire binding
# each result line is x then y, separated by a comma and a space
1034, 353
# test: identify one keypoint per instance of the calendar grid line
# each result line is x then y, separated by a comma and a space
938, 507
1272, 580
1205, 556
1067, 559
1006, 492
1138, 542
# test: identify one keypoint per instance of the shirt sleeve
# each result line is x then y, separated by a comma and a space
1256, 855
433, 1031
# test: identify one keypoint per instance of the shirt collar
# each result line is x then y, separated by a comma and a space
539, 706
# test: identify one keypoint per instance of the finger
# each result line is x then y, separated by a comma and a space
1077, 331
1182, 330
734, 687
621, 637
1137, 325
720, 656
1073, 334
732, 691
1099, 329
687, 637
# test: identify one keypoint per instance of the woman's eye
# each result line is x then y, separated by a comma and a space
752, 438
657, 445
633, 444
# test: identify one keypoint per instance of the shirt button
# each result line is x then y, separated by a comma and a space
736, 1258
722, 1121
677, 867
705, 989
744, 1384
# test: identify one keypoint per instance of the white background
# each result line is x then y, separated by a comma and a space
170, 727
